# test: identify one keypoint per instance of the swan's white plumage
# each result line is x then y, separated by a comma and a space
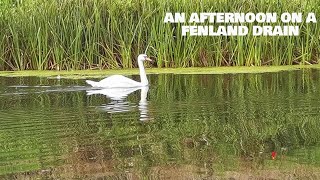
119, 81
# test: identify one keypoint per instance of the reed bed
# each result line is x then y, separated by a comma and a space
105, 34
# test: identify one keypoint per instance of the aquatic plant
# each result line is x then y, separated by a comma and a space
103, 34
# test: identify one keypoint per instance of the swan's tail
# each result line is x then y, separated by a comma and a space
92, 83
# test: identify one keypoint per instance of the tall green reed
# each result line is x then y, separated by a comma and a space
78, 34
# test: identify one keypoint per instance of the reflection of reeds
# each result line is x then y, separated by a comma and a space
199, 119
38, 34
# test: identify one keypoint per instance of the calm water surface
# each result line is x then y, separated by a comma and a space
181, 127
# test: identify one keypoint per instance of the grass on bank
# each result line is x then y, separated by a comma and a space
80, 74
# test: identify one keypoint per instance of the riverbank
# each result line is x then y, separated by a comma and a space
81, 74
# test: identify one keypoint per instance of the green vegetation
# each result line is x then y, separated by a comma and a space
107, 34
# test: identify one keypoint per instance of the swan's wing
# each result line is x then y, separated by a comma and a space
118, 81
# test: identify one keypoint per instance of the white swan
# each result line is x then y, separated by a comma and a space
119, 81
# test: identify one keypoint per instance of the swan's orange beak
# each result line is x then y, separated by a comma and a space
148, 59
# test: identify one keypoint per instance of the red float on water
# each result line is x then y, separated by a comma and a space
273, 155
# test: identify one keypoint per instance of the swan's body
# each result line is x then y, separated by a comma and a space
114, 81
119, 81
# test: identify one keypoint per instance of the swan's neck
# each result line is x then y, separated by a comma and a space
143, 76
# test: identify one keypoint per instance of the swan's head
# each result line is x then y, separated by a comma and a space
143, 57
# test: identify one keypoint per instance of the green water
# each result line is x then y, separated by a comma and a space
181, 127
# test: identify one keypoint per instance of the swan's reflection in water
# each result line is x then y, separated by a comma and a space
118, 100
143, 104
